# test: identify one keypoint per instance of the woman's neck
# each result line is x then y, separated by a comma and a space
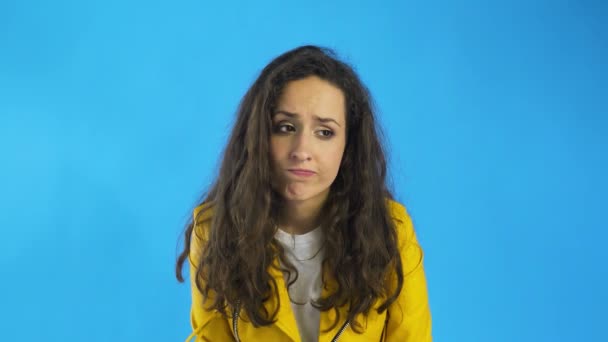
300, 217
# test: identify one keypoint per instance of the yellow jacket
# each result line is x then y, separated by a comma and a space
408, 319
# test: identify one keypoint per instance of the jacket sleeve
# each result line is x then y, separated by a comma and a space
409, 317
207, 325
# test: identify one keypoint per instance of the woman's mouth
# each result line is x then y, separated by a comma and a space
302, 172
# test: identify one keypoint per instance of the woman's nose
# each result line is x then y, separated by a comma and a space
301, 147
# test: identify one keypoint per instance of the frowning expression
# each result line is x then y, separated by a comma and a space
308, 139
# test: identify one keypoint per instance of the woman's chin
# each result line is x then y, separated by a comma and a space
299, 195
290, 197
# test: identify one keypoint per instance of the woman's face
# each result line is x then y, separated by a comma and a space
308, 139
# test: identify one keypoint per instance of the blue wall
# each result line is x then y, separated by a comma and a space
112, 115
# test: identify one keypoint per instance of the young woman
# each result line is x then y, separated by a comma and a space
299, 238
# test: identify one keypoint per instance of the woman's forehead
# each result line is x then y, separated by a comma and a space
311, 98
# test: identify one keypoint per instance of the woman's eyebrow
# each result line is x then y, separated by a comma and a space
318, 118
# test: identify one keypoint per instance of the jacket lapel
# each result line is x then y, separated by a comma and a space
328, 317
286, 320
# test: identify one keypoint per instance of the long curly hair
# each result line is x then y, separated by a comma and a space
361, 251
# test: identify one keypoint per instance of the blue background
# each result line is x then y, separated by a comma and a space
113, 114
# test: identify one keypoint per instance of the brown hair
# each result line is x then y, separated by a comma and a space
361, 245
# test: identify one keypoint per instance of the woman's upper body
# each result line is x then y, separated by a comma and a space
408, 319
305, 152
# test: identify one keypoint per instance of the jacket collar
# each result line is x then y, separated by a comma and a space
285, 318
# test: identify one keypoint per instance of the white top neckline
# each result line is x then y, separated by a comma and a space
305, 252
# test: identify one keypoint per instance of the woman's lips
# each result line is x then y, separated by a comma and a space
302, 173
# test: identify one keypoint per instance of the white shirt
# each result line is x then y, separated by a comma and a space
305, 252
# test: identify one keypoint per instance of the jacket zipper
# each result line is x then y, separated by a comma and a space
235, 326
235, 320
340, 331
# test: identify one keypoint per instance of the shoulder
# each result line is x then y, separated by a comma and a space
402, 221
411, 252
201, 222
396, 210
203, 212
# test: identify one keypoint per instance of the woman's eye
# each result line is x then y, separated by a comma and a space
284, 128
326, 133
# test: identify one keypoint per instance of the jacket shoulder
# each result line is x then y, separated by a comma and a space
208, 325
396, 209
411, 252
402, 220
201, 221
203, 212
410, 316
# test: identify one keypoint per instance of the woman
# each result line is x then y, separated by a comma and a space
299, 238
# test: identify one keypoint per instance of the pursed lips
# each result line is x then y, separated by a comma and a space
302, 172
